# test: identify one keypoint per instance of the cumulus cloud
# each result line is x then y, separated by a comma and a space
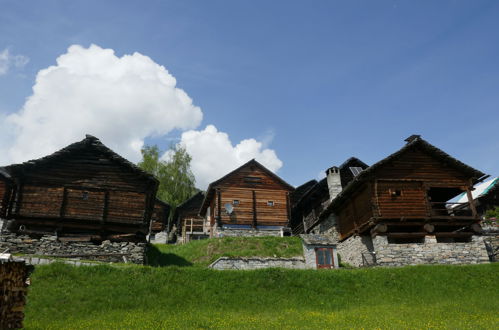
121, 100
214, 155
7, 60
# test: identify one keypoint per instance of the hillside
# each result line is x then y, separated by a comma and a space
436, 297
203, 252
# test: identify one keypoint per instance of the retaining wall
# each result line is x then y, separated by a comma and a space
225, 263
50, 246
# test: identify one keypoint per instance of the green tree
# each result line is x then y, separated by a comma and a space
176, 181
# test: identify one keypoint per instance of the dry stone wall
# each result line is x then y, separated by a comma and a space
356, 251
430, 252
247, 233
50, 246
227, 263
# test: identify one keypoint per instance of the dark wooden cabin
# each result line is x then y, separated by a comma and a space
84, 190
160, 215
188, 223
315, 198
407, 196
250, 197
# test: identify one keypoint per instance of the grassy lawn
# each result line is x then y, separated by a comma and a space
204, 252
106, 297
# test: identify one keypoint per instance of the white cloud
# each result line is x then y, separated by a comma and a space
213, 154
7, 60
121, 100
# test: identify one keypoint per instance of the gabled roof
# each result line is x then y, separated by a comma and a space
320, 188
253, 162
300, 191
89, 142
414, 141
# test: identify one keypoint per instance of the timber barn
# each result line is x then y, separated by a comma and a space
399, 210
311, 198
189, 225
160, 216
84, 190
249, 201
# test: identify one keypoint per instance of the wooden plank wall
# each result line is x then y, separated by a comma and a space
82, 189
411, 174
253, 188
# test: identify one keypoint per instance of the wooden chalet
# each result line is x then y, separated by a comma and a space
188, 223
84, 191
407, 196
313, 197
160, 216
249, 198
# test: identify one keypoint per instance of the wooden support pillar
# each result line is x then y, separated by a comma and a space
288, 207
472, 202
219, 207
254, 209
104, 214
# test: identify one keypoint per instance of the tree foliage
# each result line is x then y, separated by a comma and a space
176, 181
492, 213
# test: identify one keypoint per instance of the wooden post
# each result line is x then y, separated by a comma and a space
472, 203
19, 198
288, 207
219, 207
254, 209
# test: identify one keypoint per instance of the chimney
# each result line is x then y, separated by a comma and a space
333, 182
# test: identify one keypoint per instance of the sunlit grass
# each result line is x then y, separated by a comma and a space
104, 297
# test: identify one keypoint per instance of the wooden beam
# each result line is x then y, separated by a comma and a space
455, 234
472, 203
254, 209
219, 207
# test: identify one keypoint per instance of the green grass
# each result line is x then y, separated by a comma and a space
204, 252
105, 297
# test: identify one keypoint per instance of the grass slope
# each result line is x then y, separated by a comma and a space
63, 296
204, 252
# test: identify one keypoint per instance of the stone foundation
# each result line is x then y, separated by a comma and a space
430, 252
356, 251
226, 263
247, 233
50, 246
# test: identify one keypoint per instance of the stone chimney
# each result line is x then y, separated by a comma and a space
333, 182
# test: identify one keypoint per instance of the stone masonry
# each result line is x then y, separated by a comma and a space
430, 252
356, 251
50, 246
247, 233
227, 263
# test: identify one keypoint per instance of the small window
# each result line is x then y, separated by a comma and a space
395, 193
270, 203
324, 257
235, 202
84, 195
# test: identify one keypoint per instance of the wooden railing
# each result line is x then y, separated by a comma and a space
451, 209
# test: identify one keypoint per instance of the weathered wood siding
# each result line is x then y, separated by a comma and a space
159, 217
5, 194
417, 165
244, 213
357, 211
253, 188
399, 190
412, 202
83, 189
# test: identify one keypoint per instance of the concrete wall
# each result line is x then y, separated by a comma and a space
226, 263
50, 246
430, 252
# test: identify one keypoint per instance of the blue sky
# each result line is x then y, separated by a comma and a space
318, 81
